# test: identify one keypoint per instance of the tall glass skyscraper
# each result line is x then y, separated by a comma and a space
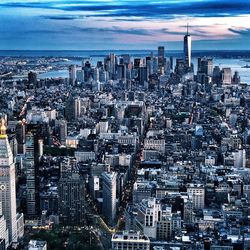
187, 49
161, 56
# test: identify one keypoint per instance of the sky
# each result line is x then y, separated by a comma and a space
123, 24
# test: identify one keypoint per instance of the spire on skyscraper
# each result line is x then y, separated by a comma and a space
187, 48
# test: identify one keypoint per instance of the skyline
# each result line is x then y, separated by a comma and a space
123, 25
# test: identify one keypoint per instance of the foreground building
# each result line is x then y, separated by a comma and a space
72, 197
8, 184
130, 240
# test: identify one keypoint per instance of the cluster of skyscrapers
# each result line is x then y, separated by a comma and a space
145, 152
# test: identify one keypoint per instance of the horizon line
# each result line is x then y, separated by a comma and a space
217, 50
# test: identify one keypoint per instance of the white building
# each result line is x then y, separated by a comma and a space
8, 184
82, 156
130, 240
3, 228
155, 144
156, 220
37, 245
198, 195
226, 76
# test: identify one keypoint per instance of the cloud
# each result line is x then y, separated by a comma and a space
146, 9
62, 17
243, 32
114, 29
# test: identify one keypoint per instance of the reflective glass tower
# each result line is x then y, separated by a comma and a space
187, 49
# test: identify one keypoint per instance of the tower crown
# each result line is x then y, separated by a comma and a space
3, 128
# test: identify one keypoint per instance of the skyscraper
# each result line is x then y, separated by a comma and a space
109, 196
72, 196
187, 49
205, 65
226, 76
30, 175
32, 80
161, 57
72, 74
7, 183
20, 136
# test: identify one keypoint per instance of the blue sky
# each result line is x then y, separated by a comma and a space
124, 24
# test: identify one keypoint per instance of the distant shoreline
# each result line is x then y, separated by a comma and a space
239, 54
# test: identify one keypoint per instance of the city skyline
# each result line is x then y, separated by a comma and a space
126, 24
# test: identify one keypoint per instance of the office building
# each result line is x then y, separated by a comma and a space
32, 80
71, 190
216, 75
62, 131
30, 175
198, 195
161, 57
205, 65
236, 78
226, 76
20, 137
142, 74
80, 75
109, 196
156, 220
72, 74
187, 49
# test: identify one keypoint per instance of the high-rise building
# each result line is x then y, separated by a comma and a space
121, 72
109, 196
226, 76
156, 220
205, 65
217, 75
72, 74
71, 189
80, 75
87, 70
32, 80
137, 63
161, 57
143, 74
73, 108
20, 136
77, 107
187, 49
198, 195
236, 78
112, 65
96, 75
7, 184
63, 131
40, 148
30, 175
